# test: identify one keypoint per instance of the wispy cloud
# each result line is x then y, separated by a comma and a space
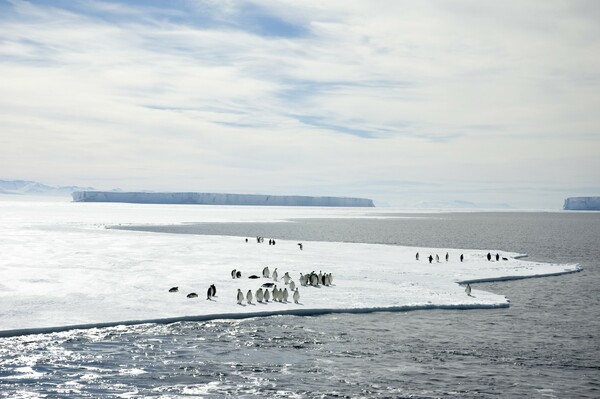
271, 96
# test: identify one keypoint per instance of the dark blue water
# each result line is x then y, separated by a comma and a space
547, 344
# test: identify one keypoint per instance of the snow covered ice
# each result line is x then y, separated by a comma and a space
60, 266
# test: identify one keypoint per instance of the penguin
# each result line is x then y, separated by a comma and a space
302, 280
430, 258
468, 289
323, 278
327, 282
267, 295
268, 285
330, 278
292, 286
254, 276
285, 295
437, 258
192, 295
209, 293
503, 258
266, 272
173, 289
497, 257
246, 240
259, 295
462, 257
240, 296
296, 296
249, 297
320, 277
212, 291
233, 273
238, 274
417, 256
275, 274
314, 280
300, 245
286, 278
447, 256
489, 256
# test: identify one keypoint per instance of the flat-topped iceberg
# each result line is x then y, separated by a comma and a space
62, 268
218, 199
582, 204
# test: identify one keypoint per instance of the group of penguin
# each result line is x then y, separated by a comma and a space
264, 295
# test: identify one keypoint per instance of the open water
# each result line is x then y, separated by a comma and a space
547, 344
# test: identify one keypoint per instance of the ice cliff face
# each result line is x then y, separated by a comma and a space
218, 199
582, 204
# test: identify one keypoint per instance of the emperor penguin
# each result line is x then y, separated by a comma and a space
173, 289
233, 274
302, 280
292, 286
259, 295
240, 296
266, 272
437, 258
447, 256
314, 280
417, 256
275, 274
296, 296
192, 295
285, 295
267, 295
286, 278
462, 257
249, 297
468, 289
238, 274
212, 291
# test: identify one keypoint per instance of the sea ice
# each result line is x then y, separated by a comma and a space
60, 267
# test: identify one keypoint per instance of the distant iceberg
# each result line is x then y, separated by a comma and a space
582, 204
218, 199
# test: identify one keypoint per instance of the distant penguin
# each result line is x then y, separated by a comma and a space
249, 297
503, 258
292, 286
447, 256
268, 285
259, 295
209, 293
296, 296
275, 274
330, 278
212, 291
302, 280
437, 258
417, 256
173, 289
489, 256
462, 257
468, 290
286, 278
285, 295
240, 297
300, 245
323, 278
246, 240
233, 273
430, 258
497, 257
267, 296
254, 276
238, 274
266, 272
192, 295
327, 281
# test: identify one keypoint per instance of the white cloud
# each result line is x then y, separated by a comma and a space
468, 98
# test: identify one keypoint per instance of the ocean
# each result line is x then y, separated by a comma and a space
546, 344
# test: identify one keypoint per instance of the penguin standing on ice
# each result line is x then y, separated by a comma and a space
497, 257
233, 274
417, 256
238, 274
240, 296
259, 295
286, 278
292, 286
300, 245
266, 272
296, 296
249, 297
212, 291
275, 274
462, 257
489, 256
437, 258
285, 295
267, 295
430, 258
468, 289
447, 256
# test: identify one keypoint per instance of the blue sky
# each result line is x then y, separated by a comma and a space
400, 101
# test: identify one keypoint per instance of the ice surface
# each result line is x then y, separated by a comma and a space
217, 199
61, 267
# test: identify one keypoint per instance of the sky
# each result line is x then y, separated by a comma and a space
403, 102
